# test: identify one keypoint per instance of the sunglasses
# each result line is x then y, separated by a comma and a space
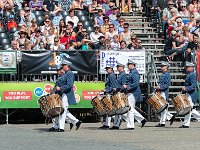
179, 22
183, 6
125, 27
55, 41
121, 21
96, 28
111, 27
80, 25
171, 4
173, 12
106, 20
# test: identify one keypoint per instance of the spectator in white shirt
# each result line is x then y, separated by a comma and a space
72, 17
94, 36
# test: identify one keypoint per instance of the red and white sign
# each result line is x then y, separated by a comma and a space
74, 88
47, 88
17, 95
89, 95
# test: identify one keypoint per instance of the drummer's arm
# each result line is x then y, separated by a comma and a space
193, 84
135, 82
70, 78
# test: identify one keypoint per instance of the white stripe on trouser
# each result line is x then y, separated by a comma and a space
133, 112
165, 115
193, 113
55, 122
66, 113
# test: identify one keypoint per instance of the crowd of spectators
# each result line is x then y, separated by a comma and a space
54, 25
180, 27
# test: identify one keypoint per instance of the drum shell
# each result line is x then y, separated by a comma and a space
98, 106
181, 104
158, 102
108, 105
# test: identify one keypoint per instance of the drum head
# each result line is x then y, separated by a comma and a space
123, 110
184, 111
56, 111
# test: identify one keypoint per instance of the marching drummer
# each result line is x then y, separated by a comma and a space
163, 88
190, 89
110, 86
68, 98
134, 94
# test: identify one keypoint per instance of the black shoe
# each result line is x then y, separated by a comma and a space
52, 129
114, 128
160, 125
78, 124
172, 120
71, 125
60, 130
104, 127
183, 126
129, 129
143, 122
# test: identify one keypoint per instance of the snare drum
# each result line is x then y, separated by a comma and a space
158, 102
181, 104
98, 105
108, 105
120, 102
51, 105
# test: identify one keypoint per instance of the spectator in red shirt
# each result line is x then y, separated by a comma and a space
65, 40
11, 22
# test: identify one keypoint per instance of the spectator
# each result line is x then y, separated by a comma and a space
194, 8
46, 27
126, 35
36, 39
98, 20
123, 46
19, 28
6, 3
87, 3
32, 28
101, 44
178, 25
138, 4
138, 44
18, 3
65, 4
115, 43
27, 46
50, 37
111, 33
105, 27
56, 19
65, 40
56, 45
36, 4
161, 4
62, 28
192, 21
70, 26
22, 11
106, 5
85, 45
11, 22
195, 29
184, 12
113, 16
76, 4
14, 46
72, 45
132, 45
27, 17
41, 46
80, 36
107, 44
179, 4
93, 7
51, 6
22, 38
79, 28
121, 25
94, 36
72, 18
174, 16
166, 16
8, 8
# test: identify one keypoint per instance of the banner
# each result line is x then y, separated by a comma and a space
112, 57
26, 94
83, 62
8, 62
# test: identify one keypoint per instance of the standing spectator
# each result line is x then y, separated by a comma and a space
76, 4
65, 4
72, 17
35, 40
11, 22
111, 33
126, 35
94, 36
65, 40
56, 19
98, 20
105, 27
36, 4
32, 28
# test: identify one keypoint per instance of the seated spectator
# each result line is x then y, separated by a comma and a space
138, 44
106, 5
65, 4
85, 45
70, 26
72, 17
179, 4
80, 36
105, 27
79, 28
195, 29
76, 4
115, 43
121, 25
41, 46
107, 44
111, 33
72, 45
32, 28
27, 17
98, 20
126, 35
36, 4
22, 11
27, 46
184, 12
94, 36
132, 45
37, 39
178, 25
11, 22
56, 45
93, 8
7, 9
123, 46
113, 16
19, 28
101, 44
51, 6
14, 46
18, 3
86, 4
22, 39
166, 16
129, 5
46, 27
174, 15
50, 37
65, 40
194, 8
192, 21
62, 28
56, 19
6, 3
1, 24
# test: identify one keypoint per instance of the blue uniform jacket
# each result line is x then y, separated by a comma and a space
165, 82
111, 83
190, 85
121, 80
133, 84
58, 83
67, 86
